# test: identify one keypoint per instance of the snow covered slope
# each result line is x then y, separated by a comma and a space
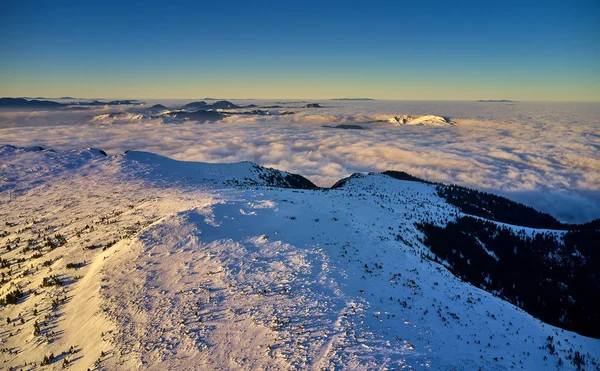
141, 262
428, 120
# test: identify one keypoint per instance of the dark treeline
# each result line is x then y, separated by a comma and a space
490, 206
553, 276
493, 207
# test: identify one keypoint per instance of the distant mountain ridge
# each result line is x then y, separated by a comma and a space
359, 99
34, 103
222, 104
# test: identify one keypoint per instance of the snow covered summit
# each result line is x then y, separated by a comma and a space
427, 120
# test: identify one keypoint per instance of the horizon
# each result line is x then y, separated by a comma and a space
140, 99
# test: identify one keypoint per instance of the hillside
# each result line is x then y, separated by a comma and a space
137, 261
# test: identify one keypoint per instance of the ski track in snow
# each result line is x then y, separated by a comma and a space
208, 275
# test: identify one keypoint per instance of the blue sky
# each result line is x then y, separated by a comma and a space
542, 50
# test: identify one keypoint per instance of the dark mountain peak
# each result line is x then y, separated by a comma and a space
195, 105
313, 105
223, 104
157, 109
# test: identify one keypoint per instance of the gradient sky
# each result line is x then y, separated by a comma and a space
522, 50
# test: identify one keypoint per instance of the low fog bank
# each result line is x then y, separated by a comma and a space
542, 154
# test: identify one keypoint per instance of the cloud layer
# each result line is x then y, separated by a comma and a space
545, 155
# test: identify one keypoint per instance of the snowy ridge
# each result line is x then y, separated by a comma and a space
208, 266
246, 173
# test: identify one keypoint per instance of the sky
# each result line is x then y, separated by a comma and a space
418, 50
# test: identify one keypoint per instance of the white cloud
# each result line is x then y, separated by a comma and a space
545, 156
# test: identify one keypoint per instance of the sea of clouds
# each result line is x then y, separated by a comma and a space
546, 155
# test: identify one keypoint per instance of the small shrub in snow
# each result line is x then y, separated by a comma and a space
51, 281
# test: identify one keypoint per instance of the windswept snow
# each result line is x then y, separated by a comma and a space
180, 266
